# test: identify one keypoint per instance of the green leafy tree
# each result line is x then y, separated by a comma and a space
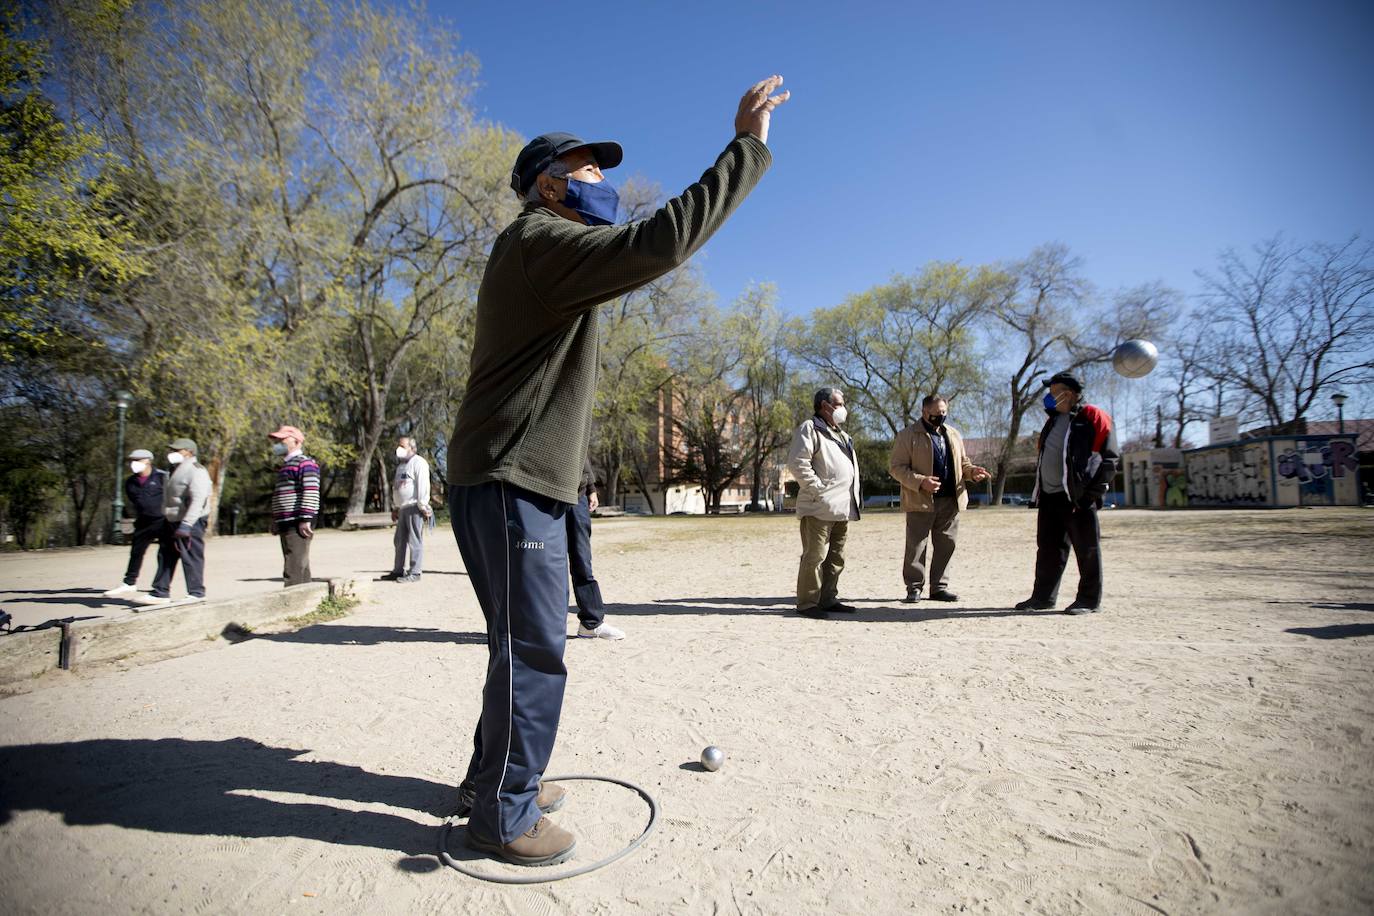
890, 346
58, 231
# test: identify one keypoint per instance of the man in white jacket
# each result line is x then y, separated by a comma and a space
823, 462
410, 510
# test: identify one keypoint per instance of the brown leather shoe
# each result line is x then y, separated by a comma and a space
550, 798
545, 843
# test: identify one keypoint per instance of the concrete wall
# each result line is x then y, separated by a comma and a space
156, 633
1275, 472
1154, 478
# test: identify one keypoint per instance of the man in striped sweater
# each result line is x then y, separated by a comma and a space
295, 503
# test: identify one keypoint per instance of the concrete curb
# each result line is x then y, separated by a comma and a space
157, 632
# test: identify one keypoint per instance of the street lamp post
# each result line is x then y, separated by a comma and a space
1339, 400
122, 401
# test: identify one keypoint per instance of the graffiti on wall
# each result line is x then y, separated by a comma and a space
1335, 459
1175, 483
1315, 468
1233, 475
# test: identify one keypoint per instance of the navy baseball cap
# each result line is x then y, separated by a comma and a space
545, 148
1067, 379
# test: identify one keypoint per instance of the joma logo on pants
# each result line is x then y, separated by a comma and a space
529, 545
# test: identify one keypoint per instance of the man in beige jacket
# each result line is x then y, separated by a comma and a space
823, 462
929, 461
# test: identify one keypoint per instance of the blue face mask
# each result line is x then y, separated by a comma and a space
597, 203
1051, 405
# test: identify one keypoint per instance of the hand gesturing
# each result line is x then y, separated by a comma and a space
756, 108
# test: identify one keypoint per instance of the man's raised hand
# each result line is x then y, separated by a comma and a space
756, 108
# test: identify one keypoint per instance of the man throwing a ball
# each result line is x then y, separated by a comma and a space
515, 459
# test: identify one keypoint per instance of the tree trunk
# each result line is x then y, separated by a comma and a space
218, 469
643, 485
78, 503
757, 471
367, 450
383, 488
611, 463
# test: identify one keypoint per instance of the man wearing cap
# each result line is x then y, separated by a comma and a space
410, 510
523, 428
1078, 458
295, 503
143, 506
185, 502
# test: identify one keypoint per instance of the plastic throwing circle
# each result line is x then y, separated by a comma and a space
457, 866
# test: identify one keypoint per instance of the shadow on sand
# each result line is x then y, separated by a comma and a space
176, 786
1335, 631
784, 607
344, 634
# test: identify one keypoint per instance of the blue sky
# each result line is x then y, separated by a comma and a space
1147, 136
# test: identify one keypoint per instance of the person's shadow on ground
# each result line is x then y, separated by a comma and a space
85, 597
176, 786
347, 634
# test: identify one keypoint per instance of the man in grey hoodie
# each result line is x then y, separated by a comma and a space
185, 502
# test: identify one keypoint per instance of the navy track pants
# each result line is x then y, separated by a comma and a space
514, 545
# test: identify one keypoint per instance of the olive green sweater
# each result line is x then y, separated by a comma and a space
527, 415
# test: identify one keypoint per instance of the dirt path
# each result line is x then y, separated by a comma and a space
1205, 745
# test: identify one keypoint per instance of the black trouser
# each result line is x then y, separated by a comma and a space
190, 551
295, 552
1059, 525
147, 530
590, 609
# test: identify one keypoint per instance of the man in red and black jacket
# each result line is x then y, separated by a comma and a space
1078, 458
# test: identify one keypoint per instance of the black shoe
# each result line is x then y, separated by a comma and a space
813, 612
942, 595
913, 594
1079, 607
841, 608
389, 577
1034, 604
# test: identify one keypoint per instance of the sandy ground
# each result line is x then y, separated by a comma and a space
1203, 746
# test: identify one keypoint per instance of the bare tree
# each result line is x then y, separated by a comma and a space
1291, 322
1048, 319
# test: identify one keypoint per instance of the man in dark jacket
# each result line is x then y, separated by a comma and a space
526, 419
1078, 458
143, 505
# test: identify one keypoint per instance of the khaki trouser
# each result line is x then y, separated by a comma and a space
822, 561
922, 528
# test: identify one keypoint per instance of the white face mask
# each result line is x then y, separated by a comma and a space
401, 453
175, 458
839, 416
136, 467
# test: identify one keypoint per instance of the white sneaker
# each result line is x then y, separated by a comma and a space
120, 591
605, 631
149, 599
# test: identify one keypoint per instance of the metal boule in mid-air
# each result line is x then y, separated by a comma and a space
1135, 358
712, 758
